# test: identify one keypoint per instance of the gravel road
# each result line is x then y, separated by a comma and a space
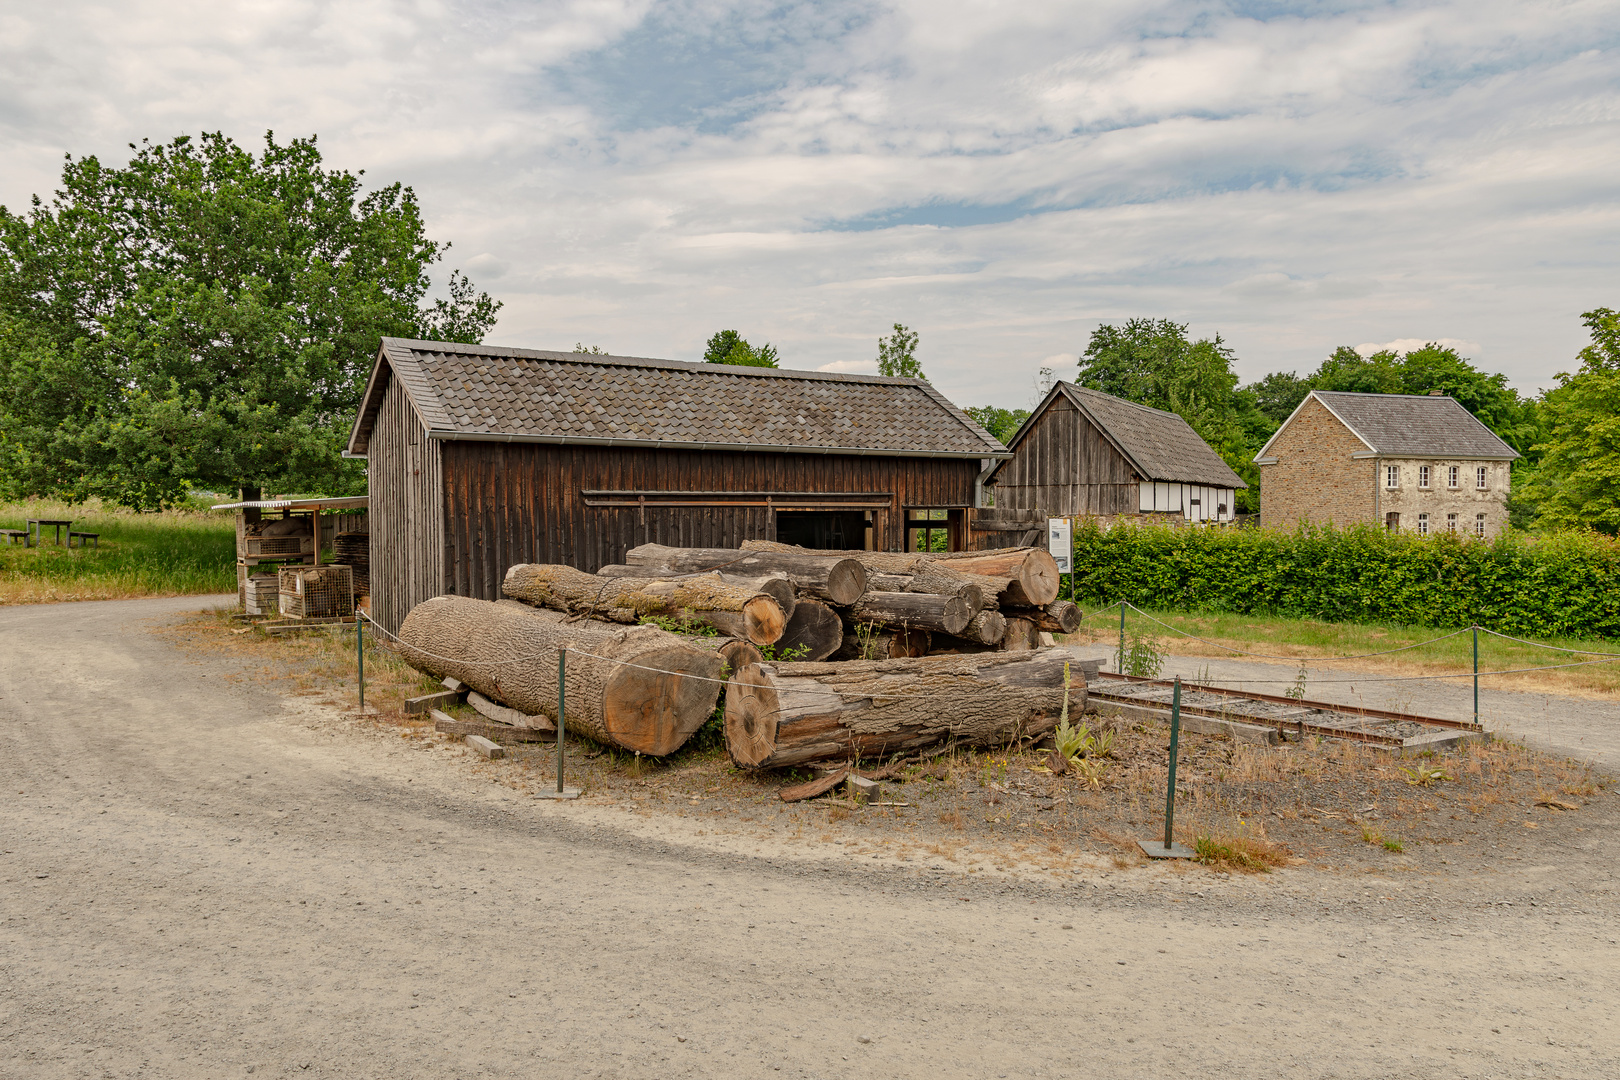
203, 878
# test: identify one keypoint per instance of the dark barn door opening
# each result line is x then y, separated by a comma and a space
841, 530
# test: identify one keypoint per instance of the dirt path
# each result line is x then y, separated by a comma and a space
201, 879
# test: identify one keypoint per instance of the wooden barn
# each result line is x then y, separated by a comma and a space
481, 457
1085, 453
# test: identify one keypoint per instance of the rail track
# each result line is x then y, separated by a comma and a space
1243, 713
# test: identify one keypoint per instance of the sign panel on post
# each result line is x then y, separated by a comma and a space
1059, 543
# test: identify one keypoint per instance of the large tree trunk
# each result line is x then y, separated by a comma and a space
871, 643
775, 585
814, 632
735, 611
833, 576
779, 715
508, 653
1058, 617
946, 614
1034, 573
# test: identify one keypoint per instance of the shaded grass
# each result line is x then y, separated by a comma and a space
1310, 639
174, 553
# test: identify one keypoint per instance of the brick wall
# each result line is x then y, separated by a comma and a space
1315, 479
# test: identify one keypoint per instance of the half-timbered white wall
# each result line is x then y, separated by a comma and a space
1194, 502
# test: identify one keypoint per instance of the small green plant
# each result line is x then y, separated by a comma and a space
1297, 691
785, 656
679, 626
1141, 659
865, 646
1392, 844
1425, 775
1235, 853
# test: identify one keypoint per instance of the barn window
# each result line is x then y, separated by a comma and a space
1392, 476
1479, 524
1451, 476
1423, 476
1479, 480
1423, 524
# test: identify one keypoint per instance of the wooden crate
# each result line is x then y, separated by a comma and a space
277, 546
317, 592
261, 594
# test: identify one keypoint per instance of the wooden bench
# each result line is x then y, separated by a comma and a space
15, 535
83, 536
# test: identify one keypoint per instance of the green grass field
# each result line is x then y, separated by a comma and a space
175, 553
1308, 639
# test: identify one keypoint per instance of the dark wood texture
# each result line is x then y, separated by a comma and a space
813, 633
406, 520
1067, 467
928, 611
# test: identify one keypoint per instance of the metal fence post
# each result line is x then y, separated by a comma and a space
562, 701
1122, 637
360, 654
1476, 673
1170, 849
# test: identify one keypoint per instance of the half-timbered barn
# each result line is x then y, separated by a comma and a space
482, 457
1086, 453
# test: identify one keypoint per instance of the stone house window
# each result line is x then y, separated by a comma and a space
1479, 524
1479, 480
1392, 522
1451, 519
1451, 476
1392, 476
1423, 524
1423, 476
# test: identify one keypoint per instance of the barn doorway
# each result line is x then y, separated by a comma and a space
836, 530
935, 530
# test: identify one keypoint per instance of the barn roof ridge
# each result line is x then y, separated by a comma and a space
602, 399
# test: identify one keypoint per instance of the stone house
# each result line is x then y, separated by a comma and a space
1422, 464
1086, 453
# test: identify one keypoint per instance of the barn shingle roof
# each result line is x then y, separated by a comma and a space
496, 393
1412, 425
1159, 445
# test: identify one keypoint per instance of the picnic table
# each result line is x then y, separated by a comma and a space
36, 531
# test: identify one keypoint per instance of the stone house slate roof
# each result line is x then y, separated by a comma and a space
485, 392
1159, 445
1410, 425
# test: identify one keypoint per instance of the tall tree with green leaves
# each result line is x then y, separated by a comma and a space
730, 347
1578, 482
204, 315
897, 355
1002, 423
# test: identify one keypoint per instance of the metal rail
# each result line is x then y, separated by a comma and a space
1300, 724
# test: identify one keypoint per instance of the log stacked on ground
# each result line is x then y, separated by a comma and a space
776, 585
779, 715
508, 653
1020, 635
815, 632
1058, 617
928, 611
738, 611
1032, 573
830, 576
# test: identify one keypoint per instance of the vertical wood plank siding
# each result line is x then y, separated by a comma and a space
506, 503
404, 475
1066, 467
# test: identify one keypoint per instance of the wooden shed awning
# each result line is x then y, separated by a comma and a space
349, 502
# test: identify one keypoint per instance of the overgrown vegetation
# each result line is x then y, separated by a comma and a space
174, 553
1567, 584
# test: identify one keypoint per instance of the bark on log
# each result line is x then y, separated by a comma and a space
508, 653
815, 629
1034, 573
705, 598
1021, 635
1059, 617
832, 576
735, 652
947, 614
779, 715
776, 585
898, 643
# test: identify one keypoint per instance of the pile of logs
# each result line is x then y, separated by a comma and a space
826, 655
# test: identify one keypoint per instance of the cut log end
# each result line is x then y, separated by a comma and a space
655, 712
752, 708
763, 621
846, 582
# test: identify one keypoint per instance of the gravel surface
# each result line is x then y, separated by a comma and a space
201, 877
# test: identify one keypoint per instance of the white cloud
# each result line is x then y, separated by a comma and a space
1405, 345
999, 177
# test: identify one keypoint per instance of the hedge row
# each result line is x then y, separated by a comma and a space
1562, 585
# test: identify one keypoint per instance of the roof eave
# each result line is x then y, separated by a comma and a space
675, 444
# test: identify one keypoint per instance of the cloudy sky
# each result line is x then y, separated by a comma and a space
999, 176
